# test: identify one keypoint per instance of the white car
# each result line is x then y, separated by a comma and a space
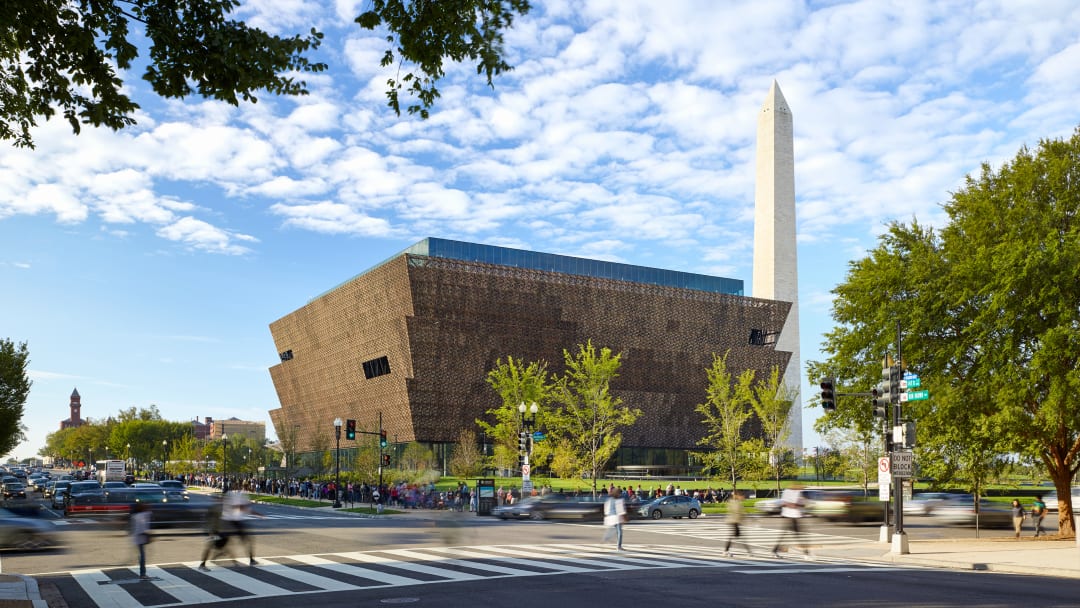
1051, 499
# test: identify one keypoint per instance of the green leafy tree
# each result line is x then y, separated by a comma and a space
989, 312
467, 461
14, 389
772, 402
516, 382
59, 56
589, 420
727, 408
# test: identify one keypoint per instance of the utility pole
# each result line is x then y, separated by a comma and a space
899, 539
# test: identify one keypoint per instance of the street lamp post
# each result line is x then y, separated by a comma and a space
127, 457
225, 463
527, 423
337, 464
164, 455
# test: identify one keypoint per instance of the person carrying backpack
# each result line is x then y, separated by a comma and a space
1038, 512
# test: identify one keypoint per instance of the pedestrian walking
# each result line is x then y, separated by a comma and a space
140, 534
234, 515
1038, 512
792, 511
216, 538
1018, 516
734, 518
614, 517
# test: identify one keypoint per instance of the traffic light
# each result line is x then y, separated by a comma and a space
350, 429
828, 394
880, 395
895, 372
386, 460
382, 438
523, 442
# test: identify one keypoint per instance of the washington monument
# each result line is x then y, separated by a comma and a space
776, 268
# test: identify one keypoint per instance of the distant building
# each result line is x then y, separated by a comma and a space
236, 428
76, 412
201, 430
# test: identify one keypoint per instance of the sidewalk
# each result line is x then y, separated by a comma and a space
20, 591
1043, 557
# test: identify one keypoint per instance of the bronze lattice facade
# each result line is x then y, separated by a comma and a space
414, 338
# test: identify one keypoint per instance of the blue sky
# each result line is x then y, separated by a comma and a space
144, 266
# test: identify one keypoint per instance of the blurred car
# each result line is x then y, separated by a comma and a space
24, 533
84, 492
113, 484
174, 488
551, 506
59, 491
1051, 499
768, 506
959, 510
671, 506
924, 503
13, 490
844, 506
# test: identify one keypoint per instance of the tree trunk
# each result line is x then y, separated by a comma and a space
1062, 474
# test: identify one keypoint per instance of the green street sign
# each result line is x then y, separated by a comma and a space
913, 382
918, 395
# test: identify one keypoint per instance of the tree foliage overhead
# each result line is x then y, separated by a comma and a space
990, 309
67, 57
14, 389
57, 55
427, 32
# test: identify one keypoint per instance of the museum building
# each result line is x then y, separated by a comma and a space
410, 342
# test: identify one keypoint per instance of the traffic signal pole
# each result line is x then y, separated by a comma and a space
899, 539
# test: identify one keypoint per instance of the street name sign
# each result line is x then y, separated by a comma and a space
918, 395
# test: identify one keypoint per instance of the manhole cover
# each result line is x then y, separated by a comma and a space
400, 600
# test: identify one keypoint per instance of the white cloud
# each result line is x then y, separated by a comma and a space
202, 236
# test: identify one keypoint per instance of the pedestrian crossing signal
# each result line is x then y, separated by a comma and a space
350, 429
386, 460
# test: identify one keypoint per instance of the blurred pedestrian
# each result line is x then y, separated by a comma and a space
1038, 512
234, 515
734, 518
216, 539
1018, 516
614, 517
140, 534
792, 511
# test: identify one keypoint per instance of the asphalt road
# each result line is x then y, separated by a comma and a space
444, 559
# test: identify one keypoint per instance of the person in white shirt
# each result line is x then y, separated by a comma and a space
614, 516
792, 511
140, 534
234, 514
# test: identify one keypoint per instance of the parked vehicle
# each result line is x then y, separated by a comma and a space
671, 506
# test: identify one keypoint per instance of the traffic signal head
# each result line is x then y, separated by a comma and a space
828, 394
386, 460
350, 429
382, 438
523, 441
880, 395
895, 372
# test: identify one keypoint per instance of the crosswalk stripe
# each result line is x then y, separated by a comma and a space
106, 595
461, 562
382, 577
336, 572
308, 578
413, 566
179, 588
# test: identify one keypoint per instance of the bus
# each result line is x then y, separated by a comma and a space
111, 470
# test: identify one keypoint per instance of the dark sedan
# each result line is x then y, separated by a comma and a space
14, 490
552, 506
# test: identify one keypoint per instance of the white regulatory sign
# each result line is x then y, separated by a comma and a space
903, 464
525, 471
